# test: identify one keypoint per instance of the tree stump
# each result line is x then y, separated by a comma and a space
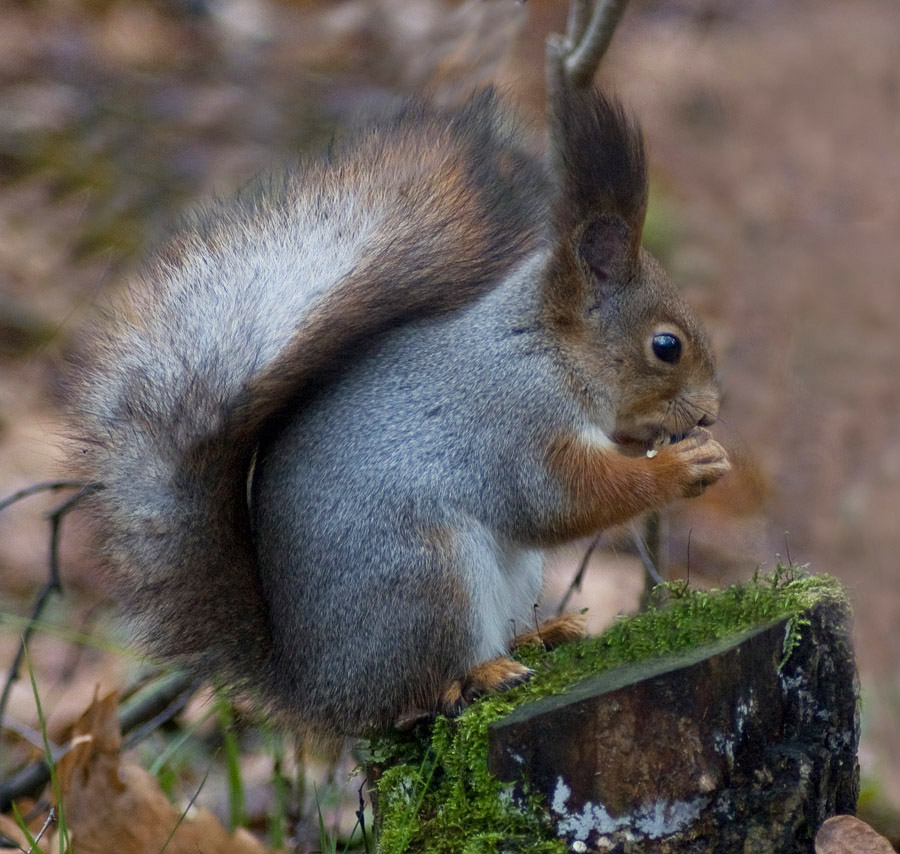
729, 748
723, 722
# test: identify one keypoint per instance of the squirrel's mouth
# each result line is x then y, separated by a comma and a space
646, 442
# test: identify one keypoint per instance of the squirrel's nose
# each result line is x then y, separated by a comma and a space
710, 416
710, 410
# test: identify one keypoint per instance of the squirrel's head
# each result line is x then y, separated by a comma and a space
653, 361
635, 353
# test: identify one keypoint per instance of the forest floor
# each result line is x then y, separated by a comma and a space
774, 138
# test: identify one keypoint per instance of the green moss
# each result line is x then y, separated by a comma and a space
436, 795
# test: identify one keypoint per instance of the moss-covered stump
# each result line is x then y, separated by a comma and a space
724, 721
711, 750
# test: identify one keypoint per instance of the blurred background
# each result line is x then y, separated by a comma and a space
774, 139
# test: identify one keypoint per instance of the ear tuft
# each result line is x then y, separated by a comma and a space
599, 168
599, 162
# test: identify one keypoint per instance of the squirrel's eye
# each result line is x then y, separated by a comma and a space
667, 347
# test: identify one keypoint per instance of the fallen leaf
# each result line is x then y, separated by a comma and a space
111, 806
846, 834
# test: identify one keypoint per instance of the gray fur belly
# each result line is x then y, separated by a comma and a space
505, 581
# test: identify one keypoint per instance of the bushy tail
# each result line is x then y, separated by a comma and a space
252, 306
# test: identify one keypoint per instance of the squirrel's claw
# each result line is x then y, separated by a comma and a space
411, 718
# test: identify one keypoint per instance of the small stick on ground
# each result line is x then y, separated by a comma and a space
650, 548
578, 579
53, 584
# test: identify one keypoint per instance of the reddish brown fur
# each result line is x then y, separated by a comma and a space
555, 631
495, 675
489, 677
605, 487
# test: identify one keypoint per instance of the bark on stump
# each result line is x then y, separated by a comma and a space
741, 746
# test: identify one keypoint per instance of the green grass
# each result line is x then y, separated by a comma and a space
281, 792
237, 810
65, 845
32, 842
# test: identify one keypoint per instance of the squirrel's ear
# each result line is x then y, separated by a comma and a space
605, 247
587, 266
599, 169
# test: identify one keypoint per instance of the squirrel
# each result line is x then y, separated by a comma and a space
338, 421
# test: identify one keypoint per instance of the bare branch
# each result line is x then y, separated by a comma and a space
650, 548
578, 578
585, 56
36, 488
52, 584
51, 817
572, 61
160, 706
579, 18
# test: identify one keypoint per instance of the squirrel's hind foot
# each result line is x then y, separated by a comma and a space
555, 631
489, 677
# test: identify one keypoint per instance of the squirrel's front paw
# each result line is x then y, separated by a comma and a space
701, 461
